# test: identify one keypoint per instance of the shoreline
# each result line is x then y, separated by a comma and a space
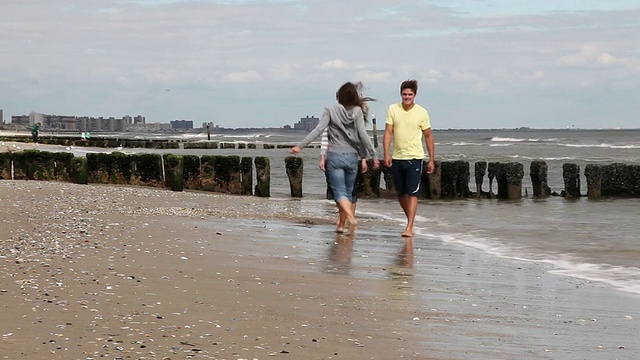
92, 271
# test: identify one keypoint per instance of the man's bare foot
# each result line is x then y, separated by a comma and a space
407, 233
340, 229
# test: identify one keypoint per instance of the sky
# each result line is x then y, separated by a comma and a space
480, 64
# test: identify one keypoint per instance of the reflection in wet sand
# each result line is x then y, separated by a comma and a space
401, 272
339, 256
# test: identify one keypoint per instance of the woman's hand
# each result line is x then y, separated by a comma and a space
322, 162
364, 166
294, 150
376, 164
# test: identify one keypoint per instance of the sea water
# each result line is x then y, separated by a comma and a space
595, 240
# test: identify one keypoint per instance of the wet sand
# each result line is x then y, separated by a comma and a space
112, 272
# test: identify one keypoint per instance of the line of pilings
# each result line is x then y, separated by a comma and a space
233, 174
110, 142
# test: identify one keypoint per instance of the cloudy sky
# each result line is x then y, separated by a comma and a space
479, 63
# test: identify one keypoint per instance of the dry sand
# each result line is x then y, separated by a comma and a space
92, 272
111, 272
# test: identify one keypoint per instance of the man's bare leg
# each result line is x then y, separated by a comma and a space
409, 205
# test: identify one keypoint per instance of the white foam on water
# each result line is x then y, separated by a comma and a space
622, 278
506, 139
603, 145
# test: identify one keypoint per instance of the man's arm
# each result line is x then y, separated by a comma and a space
431, 148
386, 144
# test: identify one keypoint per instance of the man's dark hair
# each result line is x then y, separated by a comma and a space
409, 84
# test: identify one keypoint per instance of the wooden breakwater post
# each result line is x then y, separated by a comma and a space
79, 170
34, 164
368, 183
201, 145
593, 173
246, 170
538, 171
191, 172
509, 177
174, 172
221, 174
432, 183
147, 170
5, 165
294, 168
119, 168
613, 180
263, 176
389, 186
571, 177
479, 171
455, 179
114, 168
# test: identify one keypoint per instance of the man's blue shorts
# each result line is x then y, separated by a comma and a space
407, 175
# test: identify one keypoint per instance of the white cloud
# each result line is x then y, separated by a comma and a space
432, 76
335, 64
538, 74
464, 76
605, 59
373, 76
589, 56
244, 76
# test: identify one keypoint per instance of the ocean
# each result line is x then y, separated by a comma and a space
592, 240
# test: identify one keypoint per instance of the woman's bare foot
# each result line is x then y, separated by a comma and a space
407, 233
340, 225
352, 228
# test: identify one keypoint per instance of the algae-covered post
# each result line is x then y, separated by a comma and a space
593, 173
571, 177
538, 172
174, 172
246, 169
432, 182
263, 176
455, 179
509, 178
294, 167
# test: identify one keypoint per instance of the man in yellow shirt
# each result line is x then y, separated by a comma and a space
406, 123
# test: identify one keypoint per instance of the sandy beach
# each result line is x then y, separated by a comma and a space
114, 272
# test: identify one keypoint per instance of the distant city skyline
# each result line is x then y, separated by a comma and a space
240, 63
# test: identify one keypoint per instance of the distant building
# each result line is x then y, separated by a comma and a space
1, 116
61, 122
137, 120
181, 124
307, 123
210, 125
149, 127
101, 124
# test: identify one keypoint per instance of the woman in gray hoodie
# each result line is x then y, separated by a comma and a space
348, 142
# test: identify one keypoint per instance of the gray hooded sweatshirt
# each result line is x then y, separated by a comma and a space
346, 130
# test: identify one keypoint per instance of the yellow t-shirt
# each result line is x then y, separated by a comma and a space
408, 127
